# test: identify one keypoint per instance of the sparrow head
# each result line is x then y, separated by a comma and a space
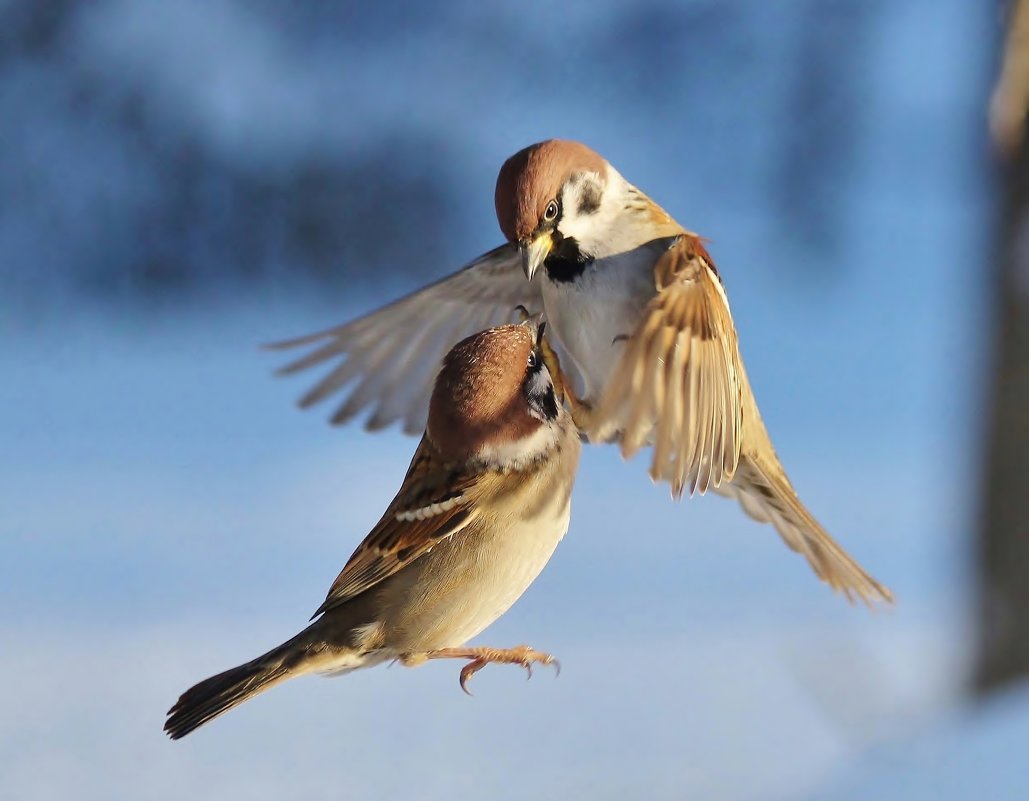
494, 399
562, 202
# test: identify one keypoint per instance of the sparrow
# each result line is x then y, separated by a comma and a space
642, 327
484, 504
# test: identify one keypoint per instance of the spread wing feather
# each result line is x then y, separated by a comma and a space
677, 382
763, 489
390, 357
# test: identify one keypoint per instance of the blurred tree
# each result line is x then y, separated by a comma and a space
153, 152
820, 142
1004, 543
111, 185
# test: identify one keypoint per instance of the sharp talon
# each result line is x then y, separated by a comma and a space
478, 658
620, 338
470, 670
523, 313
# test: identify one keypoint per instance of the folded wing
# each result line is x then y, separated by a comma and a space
436, 502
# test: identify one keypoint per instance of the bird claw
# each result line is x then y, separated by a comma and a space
468, 671
545, 659
480, 657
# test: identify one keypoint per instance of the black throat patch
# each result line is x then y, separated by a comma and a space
566, 261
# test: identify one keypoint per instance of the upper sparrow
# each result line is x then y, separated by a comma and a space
641, 316
482, 508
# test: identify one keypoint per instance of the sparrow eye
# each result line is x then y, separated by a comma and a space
550, 214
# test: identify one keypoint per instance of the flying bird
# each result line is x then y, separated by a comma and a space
640, 318
482, 508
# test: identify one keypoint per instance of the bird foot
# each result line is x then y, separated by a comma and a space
480, 657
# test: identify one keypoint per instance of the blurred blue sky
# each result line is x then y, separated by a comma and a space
180, 182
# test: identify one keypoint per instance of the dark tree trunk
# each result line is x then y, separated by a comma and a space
1003, 552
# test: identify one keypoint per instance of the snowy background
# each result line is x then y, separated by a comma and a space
182, 181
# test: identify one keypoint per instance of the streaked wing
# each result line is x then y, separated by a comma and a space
677, 383
388, 360
767, 496
764, 491
435, 502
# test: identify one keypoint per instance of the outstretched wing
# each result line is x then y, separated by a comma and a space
763, 489
680, 385
435, 503
677, 383
391, 356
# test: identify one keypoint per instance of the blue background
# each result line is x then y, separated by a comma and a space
182, 181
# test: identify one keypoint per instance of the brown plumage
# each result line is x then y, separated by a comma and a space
533, 177
475, 402
678, 380
483, 505
641, 322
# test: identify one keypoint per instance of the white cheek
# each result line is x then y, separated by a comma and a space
573, 225
603, 233
573, 228
516, 455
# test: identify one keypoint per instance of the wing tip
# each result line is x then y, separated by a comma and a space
294, 342
865, 589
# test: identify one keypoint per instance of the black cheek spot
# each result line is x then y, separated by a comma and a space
547, 404
589, 202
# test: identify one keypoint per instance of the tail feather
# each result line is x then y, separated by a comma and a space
214, 696
334, 643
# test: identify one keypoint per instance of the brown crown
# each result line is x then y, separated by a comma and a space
533, 177
477, 399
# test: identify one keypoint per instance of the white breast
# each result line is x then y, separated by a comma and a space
591, 315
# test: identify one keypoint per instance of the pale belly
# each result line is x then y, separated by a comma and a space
471, 580
518, 559
593, 315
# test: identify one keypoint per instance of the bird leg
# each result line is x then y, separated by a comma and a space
480, 657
